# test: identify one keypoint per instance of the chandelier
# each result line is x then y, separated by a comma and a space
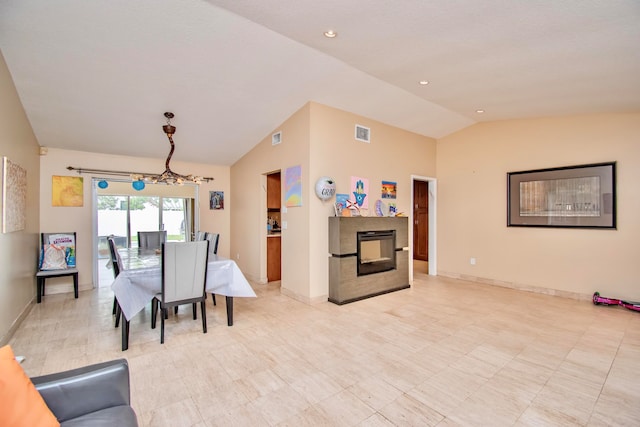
168, 176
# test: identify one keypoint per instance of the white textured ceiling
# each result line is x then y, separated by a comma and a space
98, 75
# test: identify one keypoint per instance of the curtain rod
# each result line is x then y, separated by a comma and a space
118, 173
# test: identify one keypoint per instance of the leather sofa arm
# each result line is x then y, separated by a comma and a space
73, 393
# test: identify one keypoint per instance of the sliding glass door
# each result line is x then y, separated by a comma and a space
123, 215
144, 215
174, 219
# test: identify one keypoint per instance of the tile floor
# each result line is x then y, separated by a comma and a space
445, 352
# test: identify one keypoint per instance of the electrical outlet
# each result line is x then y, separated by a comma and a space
284, 225
238, 255
472, 261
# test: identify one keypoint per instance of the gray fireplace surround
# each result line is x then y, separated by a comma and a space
345, 285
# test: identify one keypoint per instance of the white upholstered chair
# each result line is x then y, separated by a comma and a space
213, 250
184, 273
151, 239
213, 242
116, 265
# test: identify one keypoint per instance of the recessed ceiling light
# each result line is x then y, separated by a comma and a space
330, 34
424, 82
479, 111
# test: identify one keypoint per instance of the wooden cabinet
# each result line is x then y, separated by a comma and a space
273, 241
273, 258
273, 191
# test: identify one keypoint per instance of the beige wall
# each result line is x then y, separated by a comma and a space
321, 140
249, 222
19, 249
393, 155
80, 219
472, 166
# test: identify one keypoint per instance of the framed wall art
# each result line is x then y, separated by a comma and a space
582, 196
216, 200
360, 191
293, 186
14, 196
67, 191
389, 189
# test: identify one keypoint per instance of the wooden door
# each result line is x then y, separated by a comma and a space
421, 220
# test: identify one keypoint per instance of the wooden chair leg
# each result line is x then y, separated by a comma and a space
162, 327
125, 332
203, 307
214, 298
40, 289
154, 313
75, 285
194, 308
229, 311
118, 313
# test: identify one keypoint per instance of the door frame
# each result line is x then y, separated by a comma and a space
433, 238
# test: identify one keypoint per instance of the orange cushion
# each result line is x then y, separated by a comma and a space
20, 403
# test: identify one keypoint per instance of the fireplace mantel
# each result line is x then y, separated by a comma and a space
344, 283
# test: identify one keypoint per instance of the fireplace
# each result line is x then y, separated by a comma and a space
360, 246
376, 251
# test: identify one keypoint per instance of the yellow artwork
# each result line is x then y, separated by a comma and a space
66, 191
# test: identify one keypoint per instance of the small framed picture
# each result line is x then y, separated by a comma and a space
363, 133
216, 200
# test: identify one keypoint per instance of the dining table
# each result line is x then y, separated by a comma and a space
140, 280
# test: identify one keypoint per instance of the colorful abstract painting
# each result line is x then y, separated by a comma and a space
67, 191
293, 186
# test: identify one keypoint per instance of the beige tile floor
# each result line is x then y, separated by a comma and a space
445, 353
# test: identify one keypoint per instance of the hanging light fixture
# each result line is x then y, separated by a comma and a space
139, 178
168, 176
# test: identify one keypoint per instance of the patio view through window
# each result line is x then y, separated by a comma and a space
124, 216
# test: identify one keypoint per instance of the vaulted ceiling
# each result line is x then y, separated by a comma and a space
98, 75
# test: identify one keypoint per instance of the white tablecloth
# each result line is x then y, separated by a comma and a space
134, 289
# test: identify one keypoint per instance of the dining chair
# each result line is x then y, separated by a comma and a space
57, 259
116, 265
213, 250
213, 242
200, 235
184, 273
151, 239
